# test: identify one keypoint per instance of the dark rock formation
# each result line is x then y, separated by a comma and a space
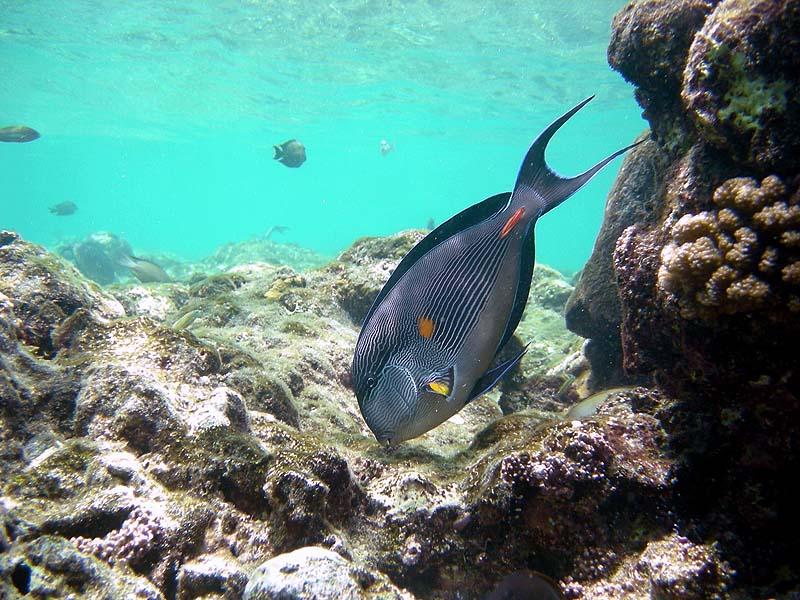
706, 288
593, 310
97, 256
649, 43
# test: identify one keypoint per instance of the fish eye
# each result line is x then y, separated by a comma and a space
371, 382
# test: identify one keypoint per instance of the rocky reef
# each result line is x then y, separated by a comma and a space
692, 288
101, 257
201, 440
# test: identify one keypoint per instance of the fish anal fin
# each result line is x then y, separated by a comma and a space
493, 376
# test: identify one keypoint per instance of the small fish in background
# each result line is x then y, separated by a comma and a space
186, 320
430, 224
525, 585
386, 147
18, 134
63, 209
274, 229
291, 154
583, 409
144, 270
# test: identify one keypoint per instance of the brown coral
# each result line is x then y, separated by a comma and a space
738, 86
737, 259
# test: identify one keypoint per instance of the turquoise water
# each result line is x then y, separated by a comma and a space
158, 117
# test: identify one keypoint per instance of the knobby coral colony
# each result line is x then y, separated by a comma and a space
739, 257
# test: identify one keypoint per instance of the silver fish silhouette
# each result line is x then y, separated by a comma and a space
146, 271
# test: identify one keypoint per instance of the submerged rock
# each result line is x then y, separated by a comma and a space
51, 567
44, 291
739, 86
313, 572
705, 285
97, 256
593, 310
190, 456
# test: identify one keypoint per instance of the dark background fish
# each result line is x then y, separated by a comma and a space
62, 209
18, 133
433, 332
291, 153
525, 585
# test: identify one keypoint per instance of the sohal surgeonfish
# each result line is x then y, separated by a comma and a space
428, 344
291, 153
18, 134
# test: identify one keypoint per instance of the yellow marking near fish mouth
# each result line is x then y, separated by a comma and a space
439, 387
426, 327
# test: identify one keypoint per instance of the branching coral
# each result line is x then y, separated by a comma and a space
741, 257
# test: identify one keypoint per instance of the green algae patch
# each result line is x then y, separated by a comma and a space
220, 461
750, 97
301, 327
60, 474
216, 285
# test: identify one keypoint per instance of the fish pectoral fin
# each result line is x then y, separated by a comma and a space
492, 376
440, 383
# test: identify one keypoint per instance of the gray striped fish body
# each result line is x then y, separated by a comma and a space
428, 343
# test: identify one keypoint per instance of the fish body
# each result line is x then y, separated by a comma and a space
386, 147
144, 270
18, 134
275, 229
587, 407
291, 153
62, 209
428, 344
525, 585
186, 320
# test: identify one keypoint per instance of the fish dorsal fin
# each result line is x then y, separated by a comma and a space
538, 184
492, 376
466, 218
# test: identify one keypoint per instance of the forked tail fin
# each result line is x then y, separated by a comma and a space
539, 185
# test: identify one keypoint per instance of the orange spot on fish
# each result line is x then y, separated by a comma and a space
512, 222
426, 327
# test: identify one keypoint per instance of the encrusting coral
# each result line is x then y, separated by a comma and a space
742, 256
130, 543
